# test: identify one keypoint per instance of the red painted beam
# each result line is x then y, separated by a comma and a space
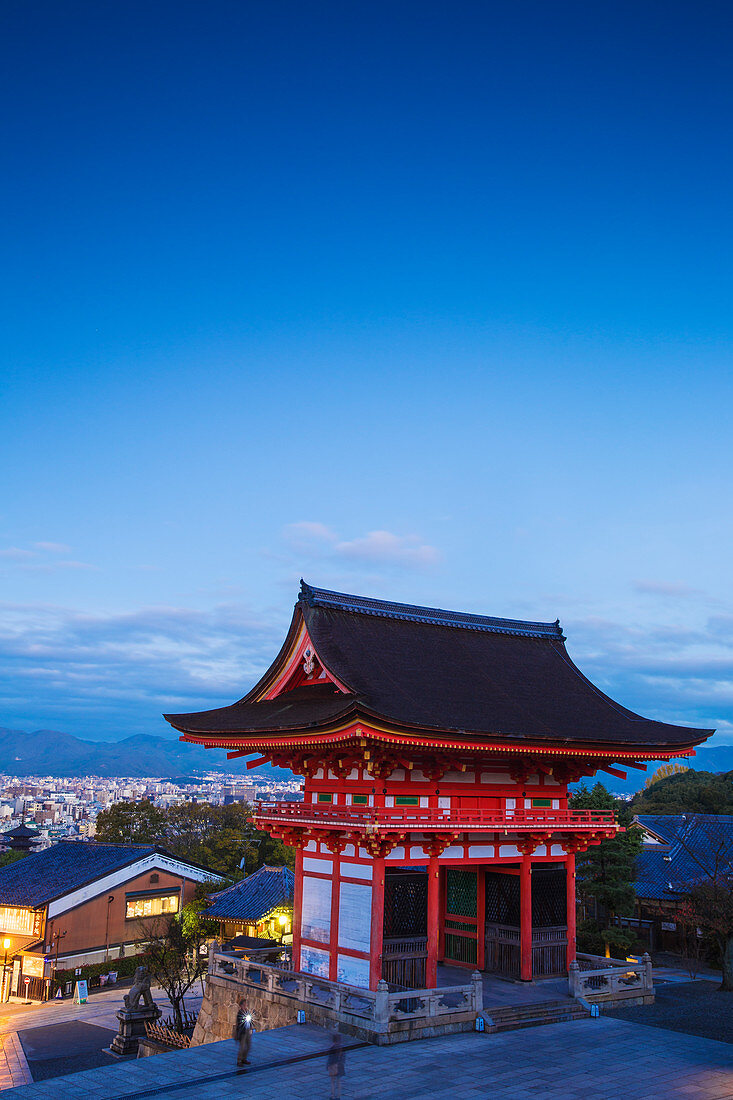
612, 771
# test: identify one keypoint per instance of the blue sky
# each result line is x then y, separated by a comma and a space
423, 301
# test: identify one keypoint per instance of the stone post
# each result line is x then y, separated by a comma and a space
648, 976
213, 946
477, 992
573, 978
381, 1007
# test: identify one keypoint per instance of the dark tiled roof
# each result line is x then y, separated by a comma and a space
439, 670
42, 876
21, 831
255, 896
363, 605
696, 842
665, 826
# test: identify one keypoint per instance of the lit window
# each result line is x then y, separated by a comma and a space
151, 907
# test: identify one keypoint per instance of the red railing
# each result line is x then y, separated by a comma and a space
419, 817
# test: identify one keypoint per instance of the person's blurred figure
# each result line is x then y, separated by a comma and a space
243, 1033
336, 1065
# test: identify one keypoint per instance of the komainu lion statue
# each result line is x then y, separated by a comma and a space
140, 990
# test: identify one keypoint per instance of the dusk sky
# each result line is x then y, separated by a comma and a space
422, 301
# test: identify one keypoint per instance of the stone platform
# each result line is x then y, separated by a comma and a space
592, 1060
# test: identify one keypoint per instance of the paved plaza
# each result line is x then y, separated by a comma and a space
601, 1059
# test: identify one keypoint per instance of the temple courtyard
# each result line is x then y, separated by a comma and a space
600, 1058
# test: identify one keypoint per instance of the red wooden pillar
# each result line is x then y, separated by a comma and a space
297, 907
525, 917
441, 913
570, 888
434, 923
335, 897
481, 919
377, 928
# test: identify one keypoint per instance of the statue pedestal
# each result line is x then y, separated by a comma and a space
132, 1028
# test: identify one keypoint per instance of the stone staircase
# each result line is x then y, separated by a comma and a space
513, 1017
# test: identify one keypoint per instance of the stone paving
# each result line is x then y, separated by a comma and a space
16, 1016
14, 1069
599, 1059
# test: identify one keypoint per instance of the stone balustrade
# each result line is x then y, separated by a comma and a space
381, 1016
596, 979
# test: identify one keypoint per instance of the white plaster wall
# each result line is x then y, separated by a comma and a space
314, 961
321, 866
355, 915
356, 870
315, 923
353, 971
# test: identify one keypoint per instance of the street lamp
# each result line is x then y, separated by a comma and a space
6, 947
282, 920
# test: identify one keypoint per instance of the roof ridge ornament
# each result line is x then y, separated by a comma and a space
432, 616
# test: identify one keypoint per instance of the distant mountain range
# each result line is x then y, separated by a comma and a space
719, 759
48, 752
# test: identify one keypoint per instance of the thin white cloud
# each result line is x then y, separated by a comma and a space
386, 548
15, 553
116, 674
53, 547
308, 537
313, 539
53, 567
665, 588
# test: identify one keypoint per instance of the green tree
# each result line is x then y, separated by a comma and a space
221, 837
6, 858
175, 953
687, 792
605, 873
217, 837
131, 823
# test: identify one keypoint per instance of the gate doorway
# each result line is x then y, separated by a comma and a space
549, 923
460, 920
405, 939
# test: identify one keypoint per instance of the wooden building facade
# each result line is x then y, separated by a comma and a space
436, 748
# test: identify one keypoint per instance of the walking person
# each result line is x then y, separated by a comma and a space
243, 1033
336, 1065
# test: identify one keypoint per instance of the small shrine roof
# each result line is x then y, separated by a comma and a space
424, 668
255, 896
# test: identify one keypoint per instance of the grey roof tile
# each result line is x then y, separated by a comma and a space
255, 896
